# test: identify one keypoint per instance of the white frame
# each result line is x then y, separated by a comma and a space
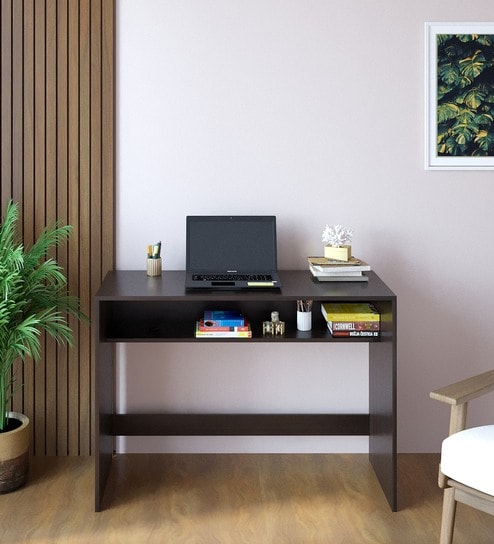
432, 160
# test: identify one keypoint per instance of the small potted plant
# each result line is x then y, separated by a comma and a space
337, 239
33, 299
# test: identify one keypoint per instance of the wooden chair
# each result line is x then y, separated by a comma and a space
466, 472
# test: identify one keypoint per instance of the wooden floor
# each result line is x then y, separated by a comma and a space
212, 499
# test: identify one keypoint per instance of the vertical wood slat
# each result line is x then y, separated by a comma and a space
107, 135
17, 98
57, 161
6, 99
73, 208
84, 258
41, 181
28, 178
62, 212
51, 213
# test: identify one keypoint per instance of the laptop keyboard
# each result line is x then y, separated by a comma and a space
232, 277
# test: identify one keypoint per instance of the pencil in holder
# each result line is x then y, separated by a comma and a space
154, 266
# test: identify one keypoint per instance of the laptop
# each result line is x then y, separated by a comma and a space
231, 252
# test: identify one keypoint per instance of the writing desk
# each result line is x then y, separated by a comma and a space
132, 307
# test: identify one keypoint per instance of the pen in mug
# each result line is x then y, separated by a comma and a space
154, 251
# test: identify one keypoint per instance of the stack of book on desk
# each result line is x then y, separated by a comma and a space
324, 269
352, 319
223, 324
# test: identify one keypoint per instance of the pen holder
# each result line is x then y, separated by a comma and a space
154, 267
304, 321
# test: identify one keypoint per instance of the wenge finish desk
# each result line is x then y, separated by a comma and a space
131, 307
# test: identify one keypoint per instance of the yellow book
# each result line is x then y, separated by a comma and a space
349, 311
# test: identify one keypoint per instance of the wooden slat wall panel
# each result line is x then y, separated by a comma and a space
57, 161
62, 198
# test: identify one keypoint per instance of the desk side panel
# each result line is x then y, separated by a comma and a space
382, 403
104, 408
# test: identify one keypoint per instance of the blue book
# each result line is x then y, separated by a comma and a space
223, 318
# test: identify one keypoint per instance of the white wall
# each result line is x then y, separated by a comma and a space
313, 111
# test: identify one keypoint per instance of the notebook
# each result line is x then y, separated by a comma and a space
231, 252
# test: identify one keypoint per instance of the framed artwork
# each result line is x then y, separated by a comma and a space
459, 96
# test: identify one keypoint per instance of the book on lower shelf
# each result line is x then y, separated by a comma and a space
353, 333
352, 319
355, 325
349, 311
324, 269
205, 326
223, 318
220, 332
222, 324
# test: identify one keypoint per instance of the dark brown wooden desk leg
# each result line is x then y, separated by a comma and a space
382, 409
104, 404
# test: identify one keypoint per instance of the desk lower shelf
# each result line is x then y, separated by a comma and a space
162, 321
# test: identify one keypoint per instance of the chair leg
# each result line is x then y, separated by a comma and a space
448, 516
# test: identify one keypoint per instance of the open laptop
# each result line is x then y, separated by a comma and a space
231, 252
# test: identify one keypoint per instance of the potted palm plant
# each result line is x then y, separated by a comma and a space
34, 298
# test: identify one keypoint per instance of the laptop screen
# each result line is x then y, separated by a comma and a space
218, 244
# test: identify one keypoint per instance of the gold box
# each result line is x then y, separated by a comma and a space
342, 253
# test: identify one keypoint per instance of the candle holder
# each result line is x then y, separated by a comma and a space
275, 327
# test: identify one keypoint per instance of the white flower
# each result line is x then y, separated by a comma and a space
336, 235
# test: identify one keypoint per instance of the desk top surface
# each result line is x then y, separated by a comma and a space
297, 284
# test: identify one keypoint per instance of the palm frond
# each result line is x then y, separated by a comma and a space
50, 237
8, 230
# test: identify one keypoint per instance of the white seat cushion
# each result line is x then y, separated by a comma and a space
468, 458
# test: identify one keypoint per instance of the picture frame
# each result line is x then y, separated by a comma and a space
459, 96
